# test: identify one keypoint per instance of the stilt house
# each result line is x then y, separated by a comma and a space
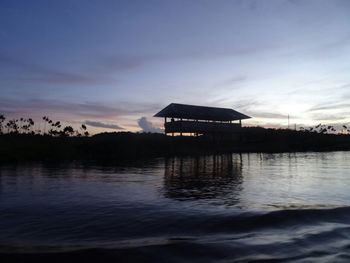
197, 120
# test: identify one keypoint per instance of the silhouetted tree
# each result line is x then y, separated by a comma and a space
55, 127
67, 131
23, 125
26, 125
83, 131
12, 126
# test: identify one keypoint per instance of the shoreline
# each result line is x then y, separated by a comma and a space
132, 146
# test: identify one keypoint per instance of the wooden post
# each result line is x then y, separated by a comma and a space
240, 123
181, 127
164, 126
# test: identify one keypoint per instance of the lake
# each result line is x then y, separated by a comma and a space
223, 208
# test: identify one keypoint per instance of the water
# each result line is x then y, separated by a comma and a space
224, 208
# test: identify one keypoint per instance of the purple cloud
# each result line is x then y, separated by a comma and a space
98, 124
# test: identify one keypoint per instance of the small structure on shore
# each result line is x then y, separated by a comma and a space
197, 120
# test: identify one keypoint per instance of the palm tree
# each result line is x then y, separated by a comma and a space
12, 126
83, 130
67, 131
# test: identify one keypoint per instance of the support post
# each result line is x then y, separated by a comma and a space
165, 125
181, 127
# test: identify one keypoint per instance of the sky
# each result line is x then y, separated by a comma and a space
114, 64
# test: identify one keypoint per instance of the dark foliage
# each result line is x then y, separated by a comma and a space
51, 128
19, 140
127, 145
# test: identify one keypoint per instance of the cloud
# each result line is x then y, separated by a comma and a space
47, 106
36, 73
103, 125
87, 110
147, 126
333, 106
246, 104
127, 62
344, 41
331, 46
329, 117
267, 115
59, 77
231, 81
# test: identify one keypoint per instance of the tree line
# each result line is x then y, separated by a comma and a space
51, 128
326, 129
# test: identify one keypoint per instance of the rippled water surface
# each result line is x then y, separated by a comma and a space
223, 208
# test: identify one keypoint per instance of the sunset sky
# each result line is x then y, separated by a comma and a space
114, 64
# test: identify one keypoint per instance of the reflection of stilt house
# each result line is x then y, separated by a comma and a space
204, 177
190, 119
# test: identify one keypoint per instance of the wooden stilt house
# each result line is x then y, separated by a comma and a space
197, 120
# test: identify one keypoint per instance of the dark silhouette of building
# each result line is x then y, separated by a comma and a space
198, 120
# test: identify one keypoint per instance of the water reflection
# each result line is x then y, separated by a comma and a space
204, 177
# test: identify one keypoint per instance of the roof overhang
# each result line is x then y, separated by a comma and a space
184, 111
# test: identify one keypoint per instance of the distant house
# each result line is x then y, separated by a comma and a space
191, 119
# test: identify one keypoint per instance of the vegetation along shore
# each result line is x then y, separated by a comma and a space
19, 141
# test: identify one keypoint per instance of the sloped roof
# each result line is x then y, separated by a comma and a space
175, 110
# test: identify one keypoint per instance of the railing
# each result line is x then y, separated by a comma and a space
200, 127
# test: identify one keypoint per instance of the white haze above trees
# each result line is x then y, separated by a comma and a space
147, 126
